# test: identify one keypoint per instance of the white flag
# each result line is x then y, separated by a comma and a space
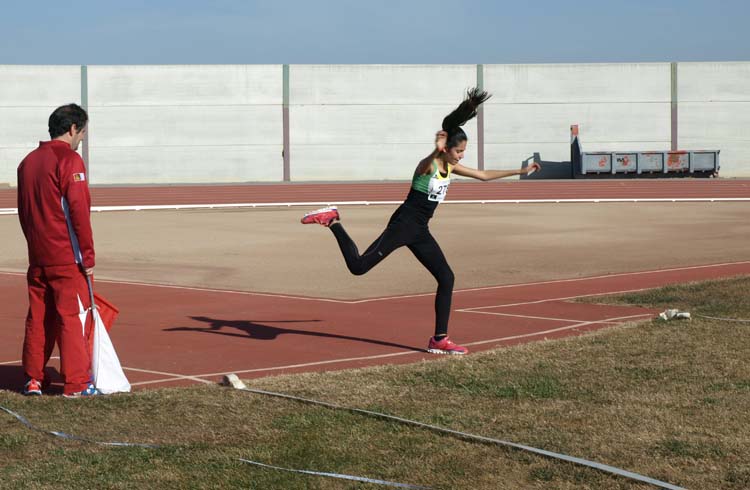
105, 365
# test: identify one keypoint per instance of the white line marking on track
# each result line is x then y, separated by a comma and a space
475, 309
293, 366
605, 276
206, 290
568, 320
197, 378
153, 207
175, 376
222, 291
559, 329
393, 354
407, 296
317, 363
21, 361
164, 380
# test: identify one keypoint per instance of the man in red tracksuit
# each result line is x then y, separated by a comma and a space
54, 209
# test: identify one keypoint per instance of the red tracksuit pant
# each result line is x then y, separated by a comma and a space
58, 300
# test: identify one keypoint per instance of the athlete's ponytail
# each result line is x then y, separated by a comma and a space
466, 111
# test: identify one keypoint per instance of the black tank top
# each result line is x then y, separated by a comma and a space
418, 201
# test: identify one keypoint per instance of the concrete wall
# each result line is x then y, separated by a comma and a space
225, 123
362, 122
714, 112
176, 124
617, 107
28, 95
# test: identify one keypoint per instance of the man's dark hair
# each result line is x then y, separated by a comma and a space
65, 117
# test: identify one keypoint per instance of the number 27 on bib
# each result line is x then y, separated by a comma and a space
438, 189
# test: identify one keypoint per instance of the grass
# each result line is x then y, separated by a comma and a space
665, 399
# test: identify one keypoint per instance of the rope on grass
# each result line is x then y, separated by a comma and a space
71, 437
338, 475
736, 320
238, 385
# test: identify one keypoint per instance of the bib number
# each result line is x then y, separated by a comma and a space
438, 189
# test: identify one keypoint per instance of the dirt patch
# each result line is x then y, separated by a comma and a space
269, 250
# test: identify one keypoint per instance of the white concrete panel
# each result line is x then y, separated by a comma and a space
194, 164
161, 124
723, 122
511, 155
658, 145
723, 126
714, 82
178, 126
45, 86
735, 162
11, 157
24, 126
361, 162
9, 160
367, 124
380, 84
636, 123
185, 85
569, 83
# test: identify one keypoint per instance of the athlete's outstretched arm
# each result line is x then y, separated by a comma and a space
485, 175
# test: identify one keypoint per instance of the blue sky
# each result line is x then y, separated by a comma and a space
382, 31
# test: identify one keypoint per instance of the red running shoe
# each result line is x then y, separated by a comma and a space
445, 346
32, 387
323, 216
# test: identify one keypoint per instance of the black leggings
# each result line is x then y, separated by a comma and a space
410, 229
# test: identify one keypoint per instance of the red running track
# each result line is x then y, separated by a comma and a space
169, 335
396, 191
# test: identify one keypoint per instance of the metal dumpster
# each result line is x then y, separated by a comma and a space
640, 163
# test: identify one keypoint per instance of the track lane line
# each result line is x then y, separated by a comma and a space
396, 354
475, 309
560, 329
567, 320
174, 375
418, 295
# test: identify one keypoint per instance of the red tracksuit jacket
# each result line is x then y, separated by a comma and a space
49, 175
